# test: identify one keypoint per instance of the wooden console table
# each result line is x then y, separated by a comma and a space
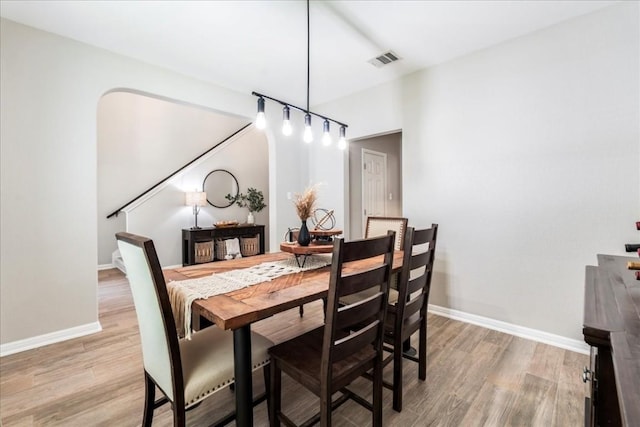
612, 328
191, 237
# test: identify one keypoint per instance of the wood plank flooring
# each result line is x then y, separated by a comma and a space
475, 377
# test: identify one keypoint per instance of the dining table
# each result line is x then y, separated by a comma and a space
237, 310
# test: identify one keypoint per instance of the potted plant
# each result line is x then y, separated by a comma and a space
253, 200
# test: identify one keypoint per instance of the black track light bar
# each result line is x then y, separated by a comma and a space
286, 104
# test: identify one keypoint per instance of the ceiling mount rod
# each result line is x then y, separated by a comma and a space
260, 95
308, 55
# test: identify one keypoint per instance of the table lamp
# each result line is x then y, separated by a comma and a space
196, 199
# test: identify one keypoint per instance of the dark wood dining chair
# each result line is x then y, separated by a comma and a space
407, 311
185, 371
327, 359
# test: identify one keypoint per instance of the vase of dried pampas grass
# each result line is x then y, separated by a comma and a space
305, 205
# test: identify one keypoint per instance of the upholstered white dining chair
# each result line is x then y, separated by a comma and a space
185, 371
379, 225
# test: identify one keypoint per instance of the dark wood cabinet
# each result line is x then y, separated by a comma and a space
612, 329
199, 246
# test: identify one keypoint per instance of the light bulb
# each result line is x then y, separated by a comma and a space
326, 136
286, 123
342, 142
261, 120
286, 128
308, 135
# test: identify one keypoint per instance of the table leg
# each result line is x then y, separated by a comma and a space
304, 259
242, 370
407, 349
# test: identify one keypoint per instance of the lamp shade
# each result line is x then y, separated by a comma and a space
196, 198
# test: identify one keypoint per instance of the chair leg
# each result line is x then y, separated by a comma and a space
179, 415
325, 408
149, 398
407, 349
266, 371
275, 385
377, 392
397, 377
422, 350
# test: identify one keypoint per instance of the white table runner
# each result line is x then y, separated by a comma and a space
183, 293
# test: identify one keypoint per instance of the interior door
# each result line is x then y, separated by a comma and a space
374, 184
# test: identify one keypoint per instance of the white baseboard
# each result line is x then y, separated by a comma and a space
50, 338
109, 266
509, 328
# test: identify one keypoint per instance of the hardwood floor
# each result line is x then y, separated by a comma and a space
475, 377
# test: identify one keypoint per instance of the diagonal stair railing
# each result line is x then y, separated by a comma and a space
162, 181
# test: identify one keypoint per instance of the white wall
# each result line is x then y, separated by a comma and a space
163, 216
326, 169
141, 140
50, 88
526, 154
304, 164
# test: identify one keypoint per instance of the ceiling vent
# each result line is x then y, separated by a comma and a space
384, 59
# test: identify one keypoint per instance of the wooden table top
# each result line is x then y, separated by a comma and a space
244, 306
313, 248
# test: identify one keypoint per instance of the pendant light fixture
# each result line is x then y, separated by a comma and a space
287, 128
326, 134
286, 122
342, 141
261, 120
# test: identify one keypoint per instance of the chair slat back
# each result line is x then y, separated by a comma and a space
160, 349
368, 314
413, 305
379, 225
352, 283
415, 276
359, 311
355, 341
418, 269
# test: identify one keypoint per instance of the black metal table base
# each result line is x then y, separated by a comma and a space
304, 259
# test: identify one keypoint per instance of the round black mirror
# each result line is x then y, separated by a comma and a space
217, 184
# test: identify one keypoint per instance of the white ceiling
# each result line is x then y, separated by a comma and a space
261, 45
